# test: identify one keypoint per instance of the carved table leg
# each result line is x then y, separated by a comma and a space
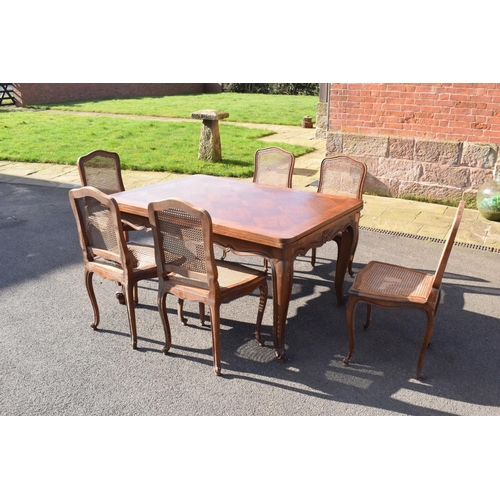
282, 291
342, 263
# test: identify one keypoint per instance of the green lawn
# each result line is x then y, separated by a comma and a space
247, 108
141, 144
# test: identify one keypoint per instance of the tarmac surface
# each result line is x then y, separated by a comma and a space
53, 363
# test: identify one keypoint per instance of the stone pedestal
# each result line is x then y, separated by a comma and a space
210, 148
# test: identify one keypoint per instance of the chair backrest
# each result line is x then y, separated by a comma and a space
438, 276
342, 175
99, 227
274, 166
183, 241
102, 170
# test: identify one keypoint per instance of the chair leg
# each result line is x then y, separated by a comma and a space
427, 338
129, 301
215, 324
351, 308
260, 315
183, 319
313, 257
353, 249
162, 309
202, 313
180, 313
368, 317
93, 300
136, 294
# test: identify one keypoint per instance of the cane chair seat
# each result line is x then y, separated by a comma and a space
187, 267
386, 285
343, 176
379, 279
107, 253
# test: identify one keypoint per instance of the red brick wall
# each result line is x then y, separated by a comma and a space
45, 93
443, 111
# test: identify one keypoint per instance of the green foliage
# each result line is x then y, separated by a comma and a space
273, 88
142, 144
273, 109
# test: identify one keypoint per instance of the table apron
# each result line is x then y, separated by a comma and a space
316, 238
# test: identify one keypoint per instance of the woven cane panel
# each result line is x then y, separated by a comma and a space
99, 227
231, 273
182, 240
272, 168
341, 177
100, 173
142, 256
395, 281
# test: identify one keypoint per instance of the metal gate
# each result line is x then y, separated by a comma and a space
6, 94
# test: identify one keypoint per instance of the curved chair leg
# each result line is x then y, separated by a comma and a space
202, 313
351, 308
368, 317
136, 294
183, 319
162, 309
427, 338
180, 313
355, 238
313, 257
129, 300
215, 324
260, 314
93, 300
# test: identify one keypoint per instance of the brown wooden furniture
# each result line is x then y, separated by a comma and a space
386, 285
105, 251
187, 267
102, 170
274, 166
344, 176
273, 222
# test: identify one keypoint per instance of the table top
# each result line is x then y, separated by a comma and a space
264, 214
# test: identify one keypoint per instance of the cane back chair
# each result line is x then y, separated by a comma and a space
386, 285
187, 267
274, 166
344, 176
102, 170
106, 252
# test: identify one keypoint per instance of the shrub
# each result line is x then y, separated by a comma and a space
272, 88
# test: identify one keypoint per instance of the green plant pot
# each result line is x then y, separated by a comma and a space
488, 199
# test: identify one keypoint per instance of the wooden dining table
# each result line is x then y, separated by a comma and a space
276, 223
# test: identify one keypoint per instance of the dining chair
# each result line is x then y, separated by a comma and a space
345, 176
274, 166
187, 267
391, 286
102, 169
107, 253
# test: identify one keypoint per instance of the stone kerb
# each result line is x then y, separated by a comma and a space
432, 169
210, 145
